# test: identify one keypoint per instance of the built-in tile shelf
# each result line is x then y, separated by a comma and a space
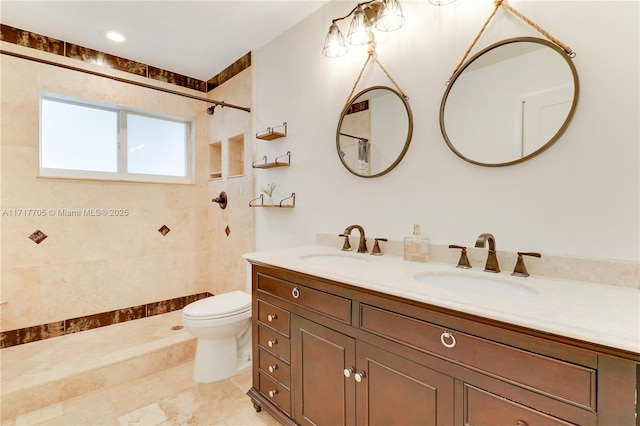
234, 158
215, 160
235, 155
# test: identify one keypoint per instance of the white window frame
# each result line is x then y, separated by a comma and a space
122, 154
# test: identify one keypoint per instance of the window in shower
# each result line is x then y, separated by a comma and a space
83, 139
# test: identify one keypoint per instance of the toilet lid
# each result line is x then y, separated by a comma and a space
222, 305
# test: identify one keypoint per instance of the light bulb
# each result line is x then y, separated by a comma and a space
334, 44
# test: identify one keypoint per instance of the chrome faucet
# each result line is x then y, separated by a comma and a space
492, 259
362, 247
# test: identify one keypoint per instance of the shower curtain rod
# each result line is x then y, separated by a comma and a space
124, 80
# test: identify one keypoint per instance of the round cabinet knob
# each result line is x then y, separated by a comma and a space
273, 393
522, 423
272, 342
273, 368
359, 376
295, 292
448, 339
348, 371
271, 317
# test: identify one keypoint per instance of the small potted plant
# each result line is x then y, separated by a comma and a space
268, 190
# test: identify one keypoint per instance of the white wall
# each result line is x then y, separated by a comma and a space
579, 198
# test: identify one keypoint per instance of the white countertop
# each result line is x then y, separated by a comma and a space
597, 313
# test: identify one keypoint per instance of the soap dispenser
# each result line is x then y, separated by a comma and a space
416, 247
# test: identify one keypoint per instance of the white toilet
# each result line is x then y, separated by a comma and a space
222, 324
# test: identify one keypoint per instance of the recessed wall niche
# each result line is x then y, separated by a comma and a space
236, 155
215, 160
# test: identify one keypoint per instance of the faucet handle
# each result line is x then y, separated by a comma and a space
376, 247
521, 270
347, 245
463, 262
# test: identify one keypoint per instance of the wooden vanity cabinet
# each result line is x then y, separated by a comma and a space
326, 353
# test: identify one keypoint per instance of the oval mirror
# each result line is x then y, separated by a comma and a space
509, 102
374, 131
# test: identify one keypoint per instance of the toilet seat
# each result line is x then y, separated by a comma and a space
220, 306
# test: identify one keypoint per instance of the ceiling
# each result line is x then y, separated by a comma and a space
194, 38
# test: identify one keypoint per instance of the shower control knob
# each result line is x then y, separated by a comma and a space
272, 342
271, 317
273, 393
273, 368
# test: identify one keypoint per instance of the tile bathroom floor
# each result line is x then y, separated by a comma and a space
159, 396
169, 397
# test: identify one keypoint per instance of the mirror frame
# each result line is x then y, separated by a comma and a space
406, 143
558, 134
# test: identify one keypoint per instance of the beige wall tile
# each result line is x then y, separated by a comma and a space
96, 264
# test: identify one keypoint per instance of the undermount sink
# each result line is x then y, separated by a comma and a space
334, 259
471, 284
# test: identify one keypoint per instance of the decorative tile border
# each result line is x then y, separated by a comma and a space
85, 54
226, 74
88, 322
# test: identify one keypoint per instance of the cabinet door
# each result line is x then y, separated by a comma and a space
396, 391
322, 394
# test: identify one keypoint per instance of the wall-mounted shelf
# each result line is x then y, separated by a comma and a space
271, 134
283, 204
264, 164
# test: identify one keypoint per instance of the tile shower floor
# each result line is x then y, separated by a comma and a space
134, 373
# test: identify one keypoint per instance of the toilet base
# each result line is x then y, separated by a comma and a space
215, 360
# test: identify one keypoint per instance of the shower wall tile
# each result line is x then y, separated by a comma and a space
32, 40
96, 57
231, 71
32, 334
177, 79
92, 56
171, 305
89, 322
75, 325
88, 265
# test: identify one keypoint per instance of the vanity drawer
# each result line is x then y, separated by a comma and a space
483, 408
274, 342
273, 317
275, 392
275, 367
552, 377
327, 304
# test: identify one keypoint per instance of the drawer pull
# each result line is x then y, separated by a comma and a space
295, 292
271, 317
272, 342
448, 340
273, 368
348, 371
273, 393
359, 376
522, 423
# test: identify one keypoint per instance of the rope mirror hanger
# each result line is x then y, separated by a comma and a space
511, 9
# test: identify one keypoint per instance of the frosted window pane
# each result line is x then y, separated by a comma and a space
78, 138
156, 147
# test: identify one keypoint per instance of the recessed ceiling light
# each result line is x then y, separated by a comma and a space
114, 36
